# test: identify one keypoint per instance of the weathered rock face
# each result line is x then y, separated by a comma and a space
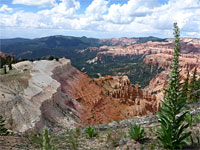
157, 84
134, 100
93, 105
187, 62
98, 106
31, 98
188, 46
164, 60
45, 92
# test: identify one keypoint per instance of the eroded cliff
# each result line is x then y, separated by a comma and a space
30, 98
54, 93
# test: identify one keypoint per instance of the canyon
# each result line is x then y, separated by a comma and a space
55, 93
158, 54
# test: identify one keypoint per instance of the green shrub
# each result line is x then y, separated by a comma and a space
136, 132
91, 131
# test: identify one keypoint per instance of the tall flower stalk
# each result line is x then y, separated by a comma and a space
171, 134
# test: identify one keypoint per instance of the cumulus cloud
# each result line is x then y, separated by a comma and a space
126, 13
61, 15
40, 3
96, 9
133, 18
6, 9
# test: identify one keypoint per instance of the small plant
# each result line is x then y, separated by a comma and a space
189, 119
136, 132
78, 131
3, 130
35, 139
73, 139
45, 140
114, 138
117, 121
150, 131
91, 131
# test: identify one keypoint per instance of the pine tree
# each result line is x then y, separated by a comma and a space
171, 134
4, 69
3, 130
10, 66
193, 87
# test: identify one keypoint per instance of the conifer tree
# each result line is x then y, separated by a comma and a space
4, 69
171, 134
3, 130
10, 65
193, 87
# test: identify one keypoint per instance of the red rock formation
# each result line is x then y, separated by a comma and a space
120, 89
96, 106
105, 99
160, 54
164, 60
151, 48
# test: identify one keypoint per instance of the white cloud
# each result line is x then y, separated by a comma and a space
96, 9
6, 9
127, 12
134, 18
40, 3
61, 15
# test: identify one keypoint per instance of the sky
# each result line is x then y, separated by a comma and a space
99, 18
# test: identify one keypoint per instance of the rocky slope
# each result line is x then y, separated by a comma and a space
31, 98
98, 104
54, 93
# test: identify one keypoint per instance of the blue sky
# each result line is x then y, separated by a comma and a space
98, 18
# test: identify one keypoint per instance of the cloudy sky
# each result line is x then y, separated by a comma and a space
98, 18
